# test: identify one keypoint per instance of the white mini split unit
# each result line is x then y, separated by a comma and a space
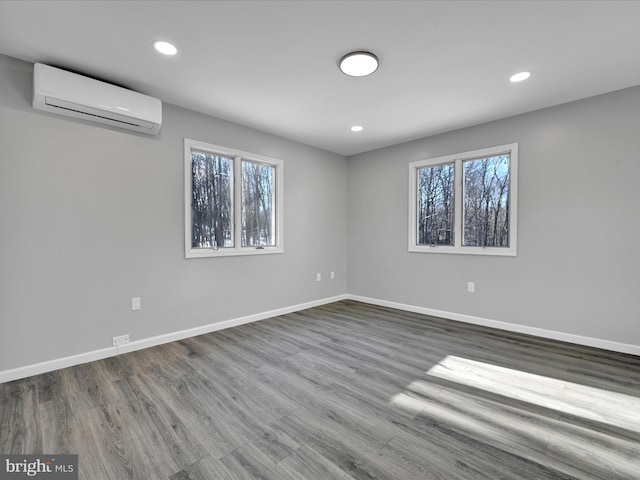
66, 93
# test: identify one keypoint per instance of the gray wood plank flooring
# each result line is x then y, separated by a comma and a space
338, 392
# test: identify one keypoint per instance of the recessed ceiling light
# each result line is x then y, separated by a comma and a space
165, 48
357, 128
519, 77
359, 64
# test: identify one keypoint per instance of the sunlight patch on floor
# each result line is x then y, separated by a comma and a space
538, 425
605, 406
409, 403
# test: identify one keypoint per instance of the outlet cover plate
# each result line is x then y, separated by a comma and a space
121, 340
135, 303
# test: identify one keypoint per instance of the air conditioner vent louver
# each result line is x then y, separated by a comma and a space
69, 94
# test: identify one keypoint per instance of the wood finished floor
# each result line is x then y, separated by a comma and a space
343, 391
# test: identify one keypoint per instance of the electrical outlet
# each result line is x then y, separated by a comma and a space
135, 303
471, 287
318, 277
121, 340
333, 275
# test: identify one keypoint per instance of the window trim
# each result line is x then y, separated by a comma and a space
238, 156
458, 159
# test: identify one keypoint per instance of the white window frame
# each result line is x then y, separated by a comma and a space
237, 156
458, 159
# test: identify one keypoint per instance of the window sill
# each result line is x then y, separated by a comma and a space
231, 252
491, 251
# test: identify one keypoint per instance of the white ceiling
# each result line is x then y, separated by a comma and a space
272, 65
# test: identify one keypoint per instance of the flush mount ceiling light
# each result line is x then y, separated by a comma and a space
359, 64
519, 77
165, 48
357, 128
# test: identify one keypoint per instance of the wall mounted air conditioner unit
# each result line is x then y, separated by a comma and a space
66, 93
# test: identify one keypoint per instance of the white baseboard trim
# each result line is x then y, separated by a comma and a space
511, 327
234, 322
48, 366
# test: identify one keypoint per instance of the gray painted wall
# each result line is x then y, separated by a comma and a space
91, 216
578, 260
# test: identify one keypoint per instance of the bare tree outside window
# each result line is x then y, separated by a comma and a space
465, 203
436, 205
233, 202
212, 194
258, 219
486, 202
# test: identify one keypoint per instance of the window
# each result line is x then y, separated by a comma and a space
233, 202
465, 203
